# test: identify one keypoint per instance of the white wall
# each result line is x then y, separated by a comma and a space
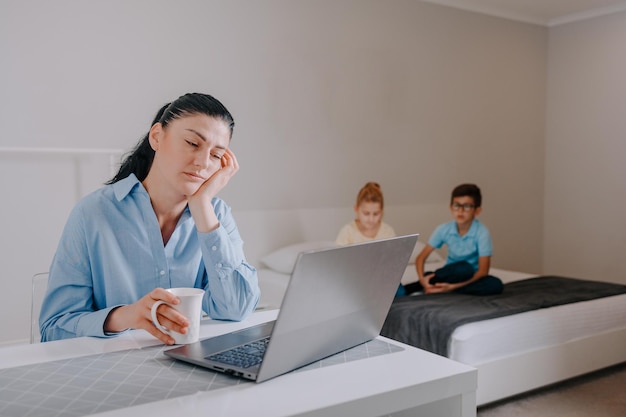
327, 95
585, 193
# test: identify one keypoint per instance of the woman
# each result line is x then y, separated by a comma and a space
157, 224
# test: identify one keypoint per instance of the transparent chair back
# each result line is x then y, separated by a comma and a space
39, 287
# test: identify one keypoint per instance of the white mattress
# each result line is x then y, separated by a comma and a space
484, 341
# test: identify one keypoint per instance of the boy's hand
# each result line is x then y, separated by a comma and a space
425, 281
441, 287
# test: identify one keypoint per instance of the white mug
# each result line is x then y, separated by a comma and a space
190, 306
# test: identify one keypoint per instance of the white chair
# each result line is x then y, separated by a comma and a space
39, 287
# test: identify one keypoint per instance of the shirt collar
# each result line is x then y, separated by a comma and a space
123, 187
470, 232
473, 227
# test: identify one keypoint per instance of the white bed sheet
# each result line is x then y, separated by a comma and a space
410, 273
273, 286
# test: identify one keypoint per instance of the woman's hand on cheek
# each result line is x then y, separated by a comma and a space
200, 203
216, 182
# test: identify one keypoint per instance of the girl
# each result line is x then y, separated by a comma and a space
157, 224
368, 224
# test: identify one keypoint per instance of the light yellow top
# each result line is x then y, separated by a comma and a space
350, 234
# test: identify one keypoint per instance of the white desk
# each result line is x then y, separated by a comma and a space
408, 382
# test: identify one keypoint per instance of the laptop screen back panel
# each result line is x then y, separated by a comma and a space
336, 299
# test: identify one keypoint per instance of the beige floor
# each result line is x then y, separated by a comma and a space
601, 394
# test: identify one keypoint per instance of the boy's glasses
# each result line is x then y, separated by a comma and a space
465, 207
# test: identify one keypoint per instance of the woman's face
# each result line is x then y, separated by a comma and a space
188, 151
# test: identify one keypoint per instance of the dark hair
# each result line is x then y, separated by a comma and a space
139, 160
370, 193
467, 190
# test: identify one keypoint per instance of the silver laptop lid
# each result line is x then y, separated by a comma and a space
337, 298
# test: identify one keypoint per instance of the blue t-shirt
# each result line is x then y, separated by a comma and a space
475, 243
111, 253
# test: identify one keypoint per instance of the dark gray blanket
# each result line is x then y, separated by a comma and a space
427, 321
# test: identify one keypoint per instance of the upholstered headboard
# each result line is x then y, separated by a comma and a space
264, 231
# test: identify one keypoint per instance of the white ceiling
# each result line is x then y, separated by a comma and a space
541, 12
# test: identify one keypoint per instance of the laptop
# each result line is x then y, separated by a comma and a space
337, 298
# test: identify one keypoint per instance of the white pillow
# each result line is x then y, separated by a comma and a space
283, 259
433, 257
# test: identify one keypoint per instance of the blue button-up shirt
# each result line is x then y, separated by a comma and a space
111, 253
469, 247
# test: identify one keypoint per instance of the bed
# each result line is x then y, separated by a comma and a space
513, 354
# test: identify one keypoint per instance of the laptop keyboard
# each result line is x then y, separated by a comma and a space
243, 356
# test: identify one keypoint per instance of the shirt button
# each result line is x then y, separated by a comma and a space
214, 248
162, 272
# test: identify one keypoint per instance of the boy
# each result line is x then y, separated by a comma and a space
469, 250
